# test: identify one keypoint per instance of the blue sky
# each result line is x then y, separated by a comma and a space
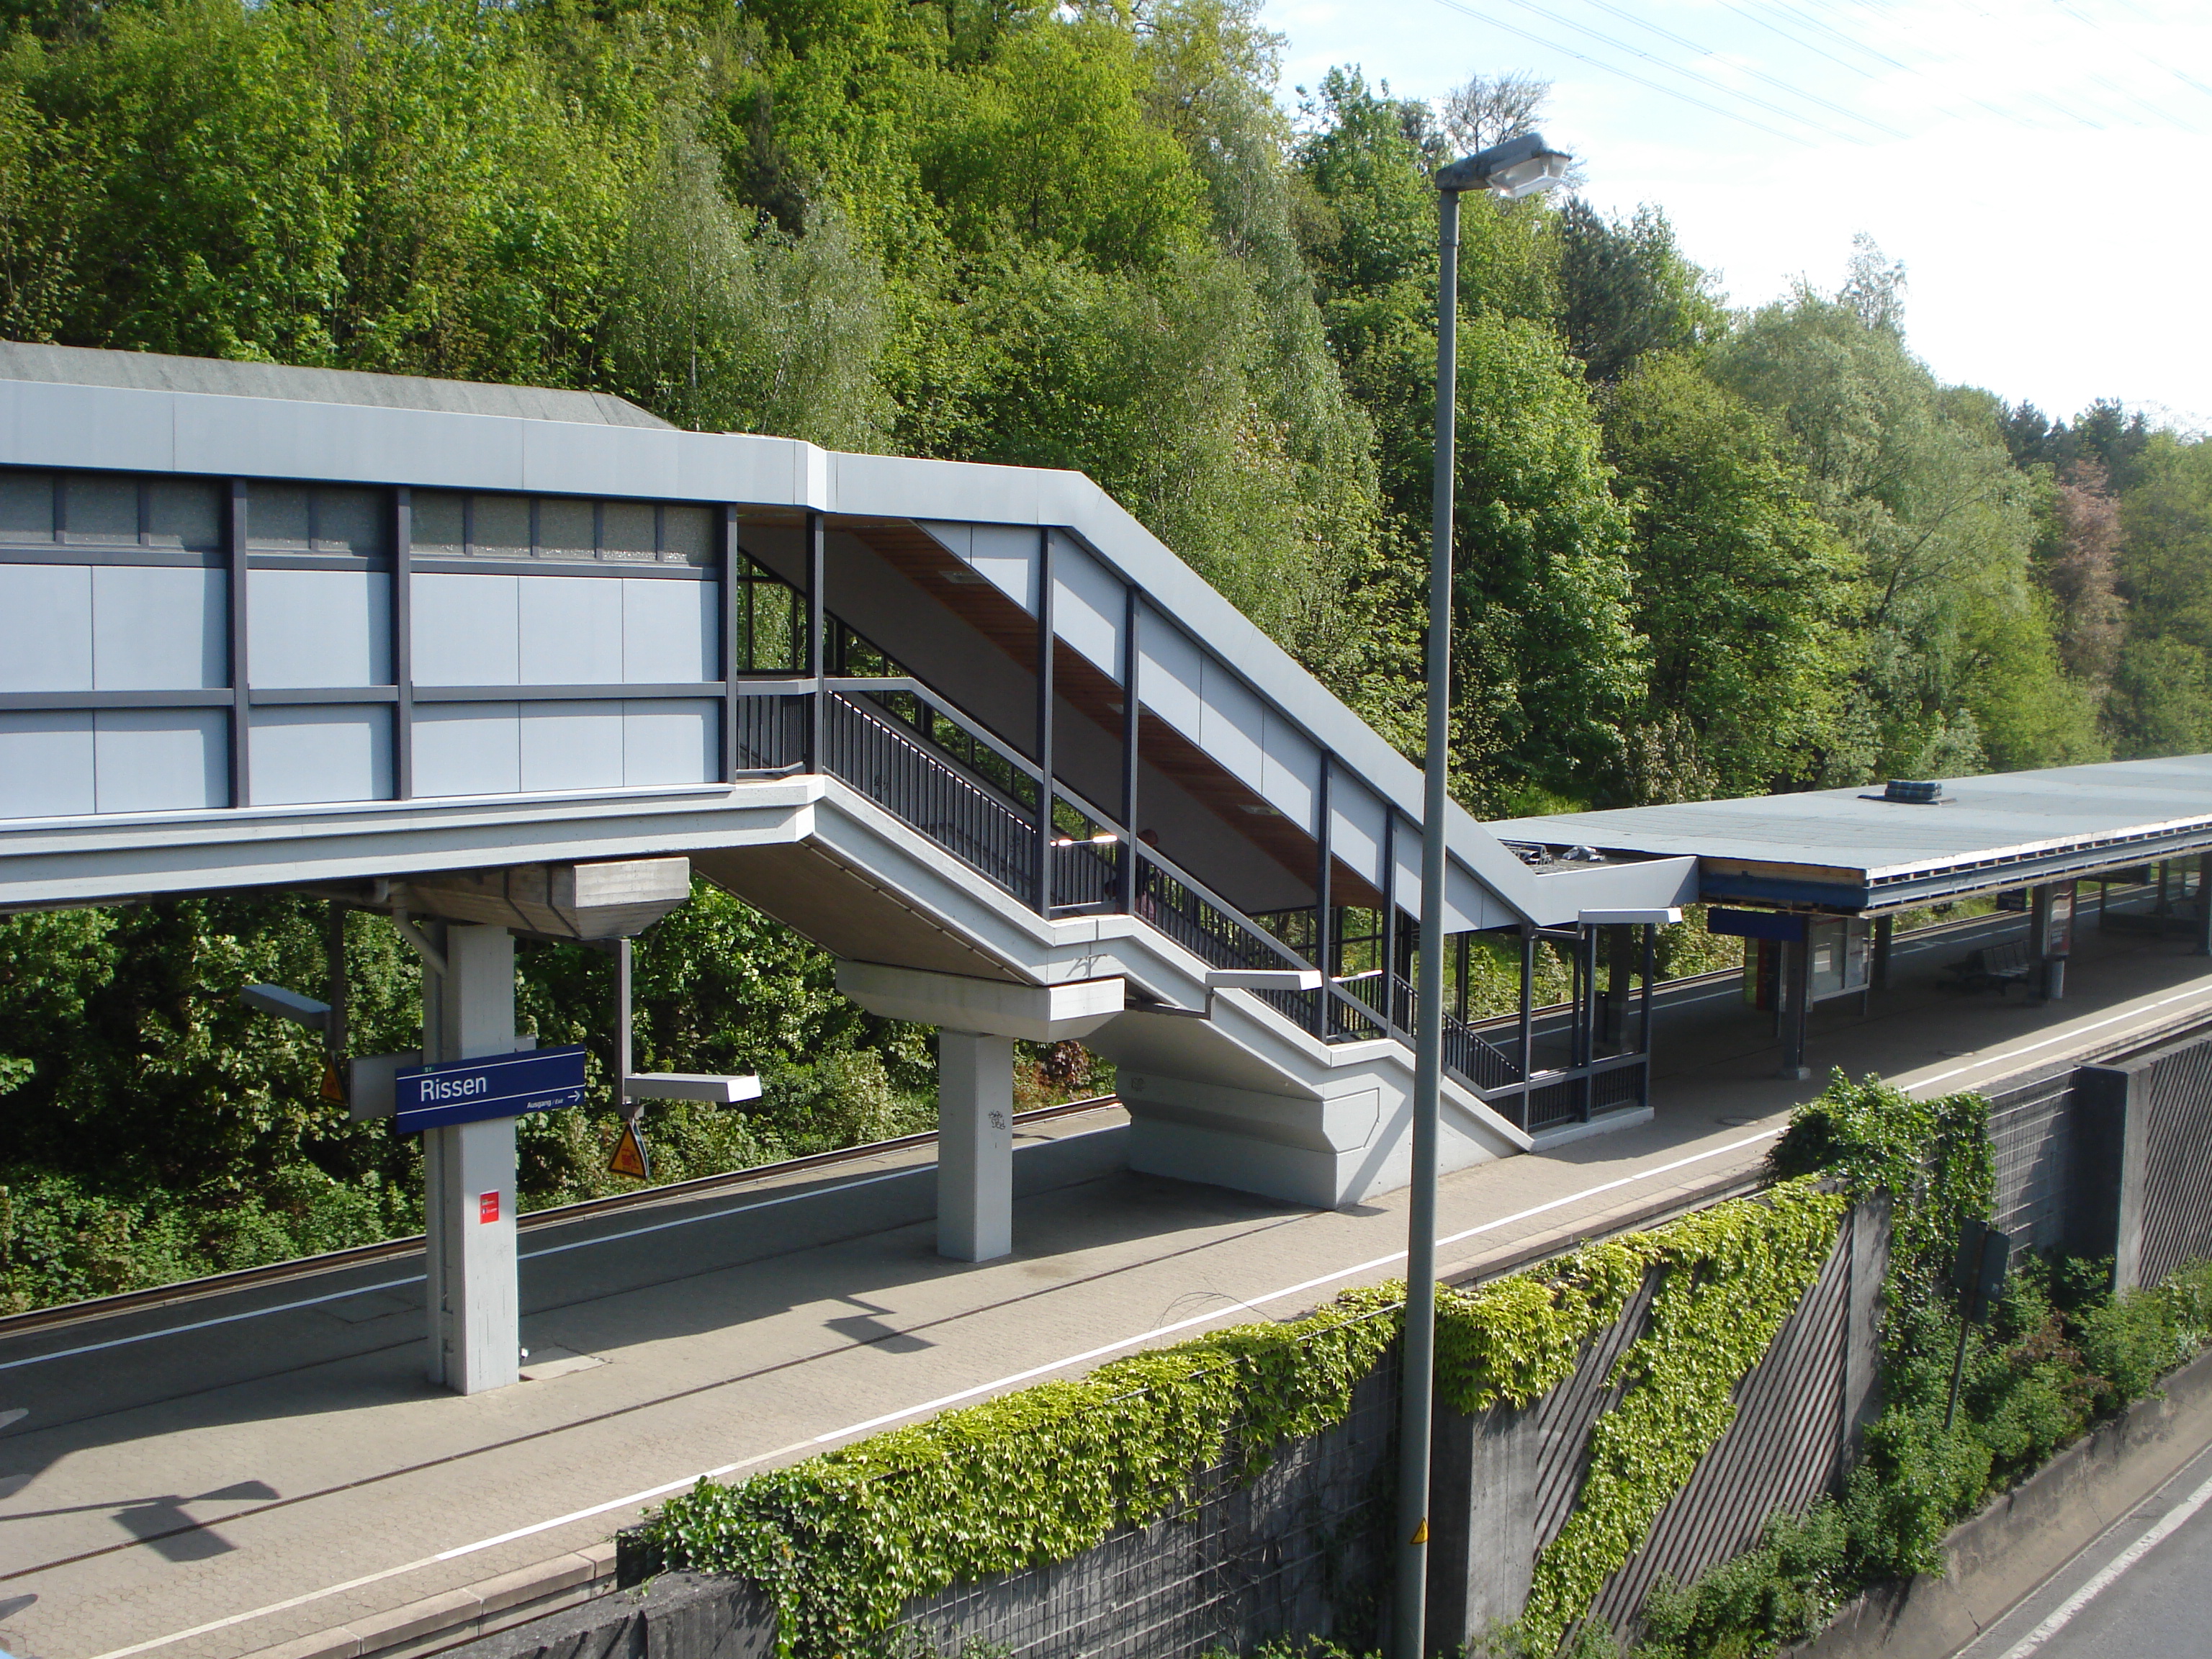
2042, 168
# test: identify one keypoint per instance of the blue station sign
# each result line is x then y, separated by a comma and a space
504, 1085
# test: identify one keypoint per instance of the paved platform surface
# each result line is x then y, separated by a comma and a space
236, 1473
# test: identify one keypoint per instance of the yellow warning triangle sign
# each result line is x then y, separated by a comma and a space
1420, 1533
629, 1158
333, 1087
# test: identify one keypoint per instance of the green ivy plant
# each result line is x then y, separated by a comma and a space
841, 1542
1729, 1276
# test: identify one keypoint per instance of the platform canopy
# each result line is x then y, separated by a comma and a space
1864, 851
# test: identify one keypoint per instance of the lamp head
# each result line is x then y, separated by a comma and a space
1519, 167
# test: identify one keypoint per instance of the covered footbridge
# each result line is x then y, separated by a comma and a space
501, 660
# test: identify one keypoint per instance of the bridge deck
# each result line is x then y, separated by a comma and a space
268, 1466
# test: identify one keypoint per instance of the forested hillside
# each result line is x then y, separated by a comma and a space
1701, 551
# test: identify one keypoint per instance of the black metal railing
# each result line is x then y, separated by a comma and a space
892, 741
903, 701
976, 797
892, 765
768, 731
1086, 862
1477, 1062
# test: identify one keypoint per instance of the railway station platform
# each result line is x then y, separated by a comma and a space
265, 1470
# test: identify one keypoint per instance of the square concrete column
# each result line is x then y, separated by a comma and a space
468, 1174
978, 1021
975, 1146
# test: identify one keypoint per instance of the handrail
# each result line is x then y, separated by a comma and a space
848, 687
1214, 900
750, 685
914, 688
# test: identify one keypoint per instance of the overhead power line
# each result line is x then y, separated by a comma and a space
1722, 87
1775, 82
2090, 23
1675, 93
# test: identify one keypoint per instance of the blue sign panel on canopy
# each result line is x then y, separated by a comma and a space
502, 1086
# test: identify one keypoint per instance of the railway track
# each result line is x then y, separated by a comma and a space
279, 1273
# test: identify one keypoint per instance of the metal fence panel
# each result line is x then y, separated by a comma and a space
1784, 1449
1301, 1550
2177, 1168
2031, 1141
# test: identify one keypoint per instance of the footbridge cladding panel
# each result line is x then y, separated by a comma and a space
261, 626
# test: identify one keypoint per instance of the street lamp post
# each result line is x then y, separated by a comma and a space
1519, 167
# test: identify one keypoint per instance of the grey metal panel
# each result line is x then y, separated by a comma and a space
671, 742
671, 631
157, 629
1468, 903
46, 764
2014, 814
153, 371
468, 749
574, 459
27, 506
315, 627
1089, 606
85, 426
924, 490
45, 627
1356, 827
264, 438
571, 746
322, 752
1170, 673
1620, 886
959, 539
1233, 725
1290, 775
721, 468
158, 760
467, 631
571, 634
1006, 556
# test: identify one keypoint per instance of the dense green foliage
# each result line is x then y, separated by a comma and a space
1700, 551
157, 1129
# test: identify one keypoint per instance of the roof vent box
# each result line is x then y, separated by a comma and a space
1914, 793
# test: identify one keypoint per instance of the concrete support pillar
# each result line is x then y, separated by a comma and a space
1885, 937
975, 1146
978, 1021
1482, 1548
2104, 1209
469, 1173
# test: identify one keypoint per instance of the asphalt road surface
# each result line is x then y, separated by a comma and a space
2143, 1590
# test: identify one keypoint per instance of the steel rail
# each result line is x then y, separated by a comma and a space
280, 1273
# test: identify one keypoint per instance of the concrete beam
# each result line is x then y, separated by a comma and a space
1034, 1013
618, 899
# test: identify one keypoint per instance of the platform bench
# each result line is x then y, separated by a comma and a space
1994, 967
